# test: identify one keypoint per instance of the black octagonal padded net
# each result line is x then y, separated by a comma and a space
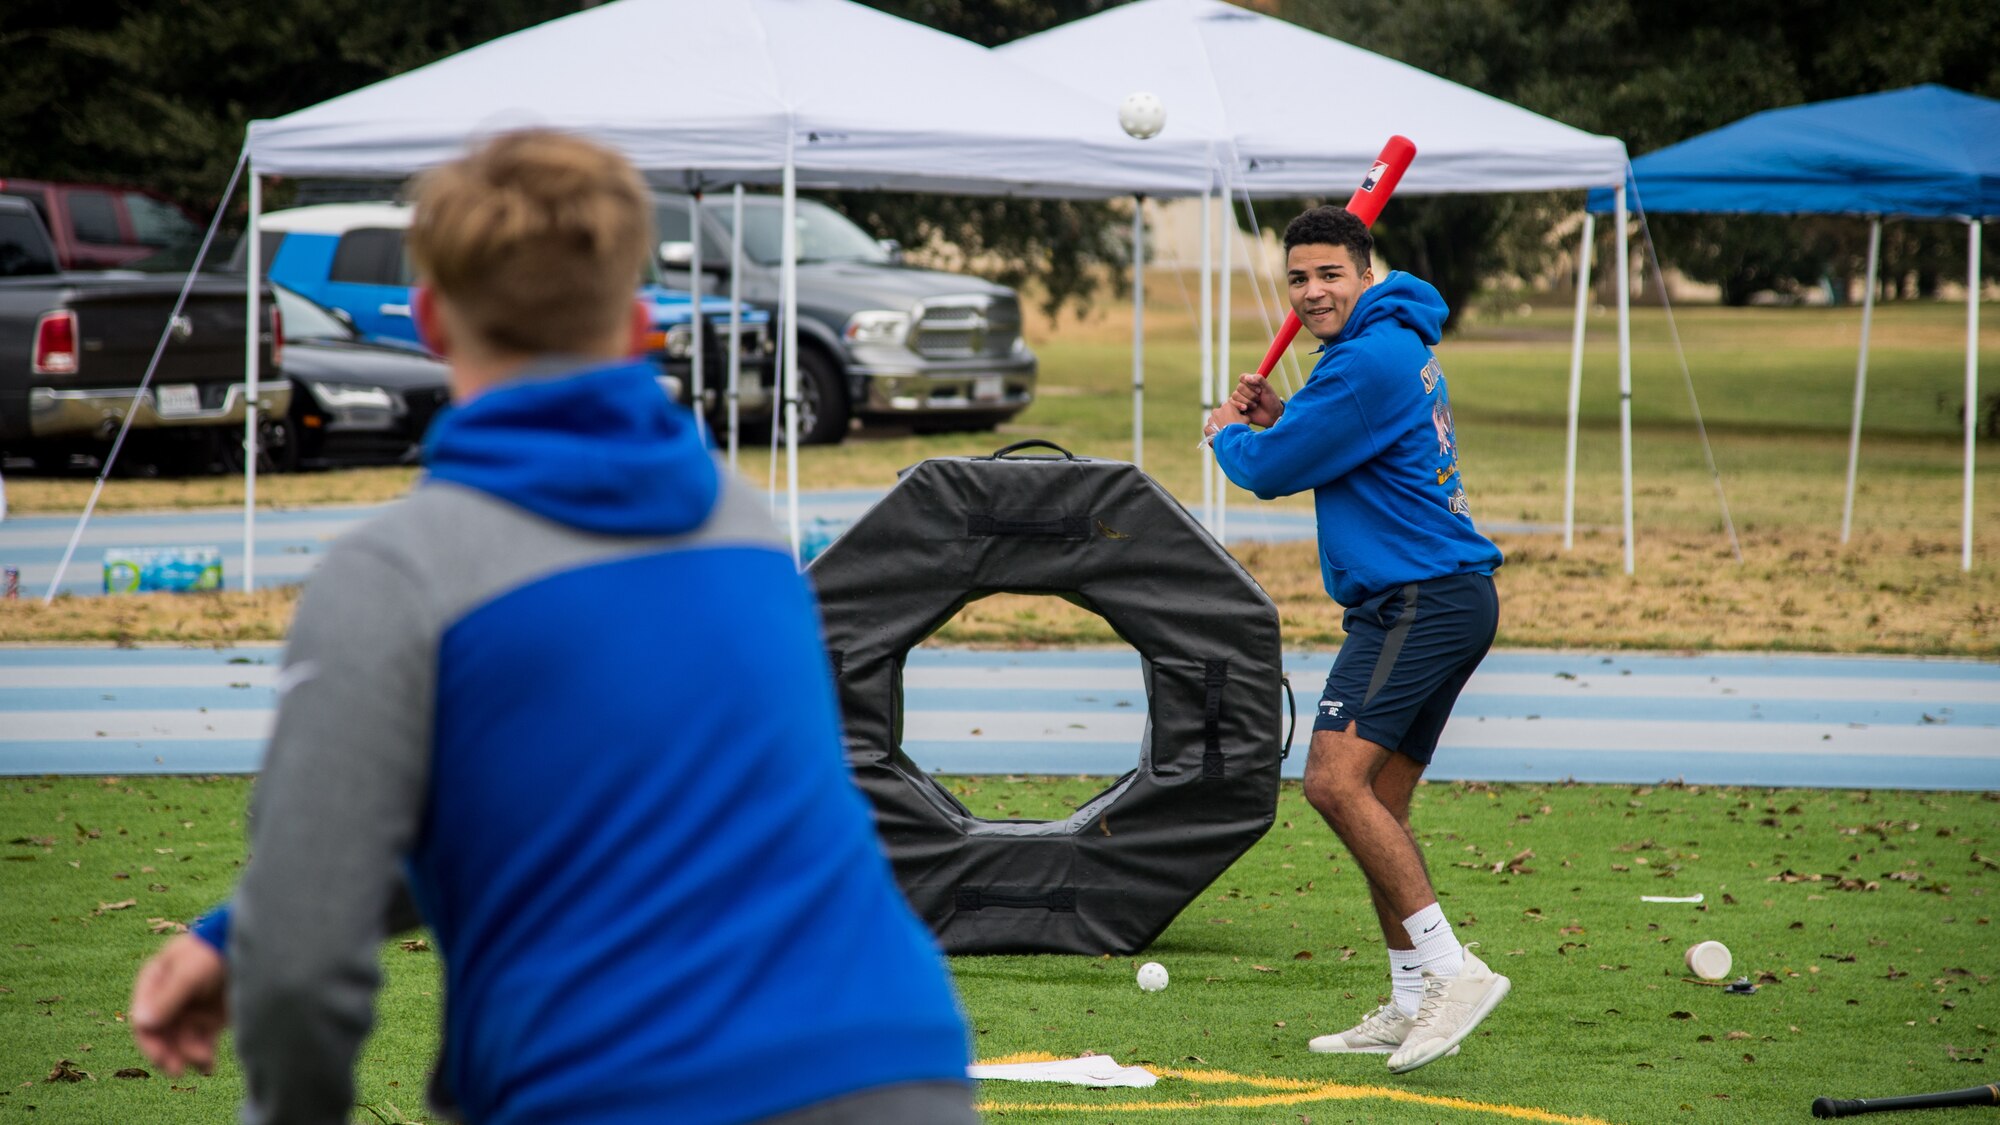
1105, 536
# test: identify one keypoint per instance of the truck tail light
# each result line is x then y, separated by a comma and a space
277, 335
55, 343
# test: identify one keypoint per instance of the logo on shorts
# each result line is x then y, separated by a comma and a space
1331, 708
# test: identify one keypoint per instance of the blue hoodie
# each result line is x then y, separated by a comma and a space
1371, 434
658, 894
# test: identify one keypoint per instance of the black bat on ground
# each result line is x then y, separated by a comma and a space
1848, 1107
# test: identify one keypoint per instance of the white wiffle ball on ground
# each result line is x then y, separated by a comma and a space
1152, 976
1142, 115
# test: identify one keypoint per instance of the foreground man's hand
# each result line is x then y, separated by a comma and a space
179, 1005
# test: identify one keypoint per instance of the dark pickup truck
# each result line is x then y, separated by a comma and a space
74, 346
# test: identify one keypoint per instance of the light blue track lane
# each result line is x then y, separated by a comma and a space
1750, 719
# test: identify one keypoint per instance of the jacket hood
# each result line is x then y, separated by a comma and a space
601, 449
1413, 302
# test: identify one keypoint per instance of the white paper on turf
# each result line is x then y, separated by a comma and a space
1090, 1070
1667, 898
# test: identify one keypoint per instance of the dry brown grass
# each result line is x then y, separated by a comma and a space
66, 495
1795, 590
160, 618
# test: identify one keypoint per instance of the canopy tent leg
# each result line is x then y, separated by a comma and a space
1860, 377
254, 273
735, 321
1139, 330
789, 309
1971, 383
699, 398
1584, 248
1207, 357
1625, 363
1224, 373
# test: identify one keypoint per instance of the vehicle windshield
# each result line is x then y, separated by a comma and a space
825, 235
305, 320
177, 256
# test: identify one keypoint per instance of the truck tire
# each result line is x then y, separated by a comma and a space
823, 406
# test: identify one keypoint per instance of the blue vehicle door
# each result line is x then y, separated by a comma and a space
370, 278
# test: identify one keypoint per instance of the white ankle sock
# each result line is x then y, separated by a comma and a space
1407, 973
1437, 946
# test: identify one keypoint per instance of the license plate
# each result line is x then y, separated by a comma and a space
988, 388
178, 399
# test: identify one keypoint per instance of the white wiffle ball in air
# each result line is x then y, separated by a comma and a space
1142, 115
1152, 976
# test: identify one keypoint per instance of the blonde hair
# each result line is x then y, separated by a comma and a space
536, 240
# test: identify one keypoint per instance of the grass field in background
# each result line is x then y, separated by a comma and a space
1867, 918
1775, 386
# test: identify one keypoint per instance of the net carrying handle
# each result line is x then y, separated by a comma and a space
1292, 716
1028, 443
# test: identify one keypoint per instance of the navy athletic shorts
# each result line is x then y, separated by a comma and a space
1407, 655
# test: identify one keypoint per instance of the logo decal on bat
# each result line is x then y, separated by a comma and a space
1374, 175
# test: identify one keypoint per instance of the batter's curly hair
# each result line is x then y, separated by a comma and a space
1332, 226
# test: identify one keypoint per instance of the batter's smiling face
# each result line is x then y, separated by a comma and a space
1325, 284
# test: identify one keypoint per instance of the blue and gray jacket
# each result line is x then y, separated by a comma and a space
1371, 435
572, 697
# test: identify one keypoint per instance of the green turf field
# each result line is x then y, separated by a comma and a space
1867, 918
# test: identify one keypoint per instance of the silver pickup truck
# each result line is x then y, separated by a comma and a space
74, 346
877, 340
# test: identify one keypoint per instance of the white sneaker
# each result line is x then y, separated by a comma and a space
1379, 1032
1452, 1007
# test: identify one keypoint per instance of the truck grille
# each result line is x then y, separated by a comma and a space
971, 327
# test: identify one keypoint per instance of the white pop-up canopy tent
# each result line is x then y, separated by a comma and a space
1230, 76
824, 93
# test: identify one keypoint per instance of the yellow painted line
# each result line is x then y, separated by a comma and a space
1287, 1091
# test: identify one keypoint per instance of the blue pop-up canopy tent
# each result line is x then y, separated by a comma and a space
1927, 152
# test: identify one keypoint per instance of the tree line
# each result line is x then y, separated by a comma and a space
158, 95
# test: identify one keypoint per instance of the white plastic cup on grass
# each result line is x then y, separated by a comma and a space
1708, 960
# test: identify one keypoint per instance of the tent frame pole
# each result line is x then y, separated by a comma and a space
1224, 381
1860, 377
789, 280
1625, 363
735, 321
253, 276
699, 398
1207, 355
1139, 330
1972, 234
1584, 246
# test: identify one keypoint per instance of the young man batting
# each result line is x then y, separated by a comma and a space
1371, 435
567, 705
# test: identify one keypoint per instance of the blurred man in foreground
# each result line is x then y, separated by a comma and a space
567, 705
